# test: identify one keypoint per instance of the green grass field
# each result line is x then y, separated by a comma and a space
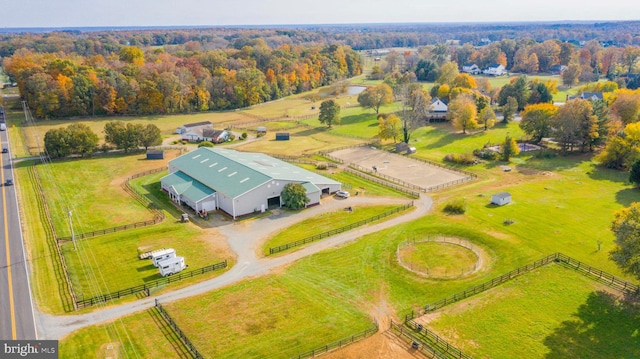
115, 256
80, 186
326, 222
303, 140
439, 259
552, 312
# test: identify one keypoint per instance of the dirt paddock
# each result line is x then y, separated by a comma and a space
398, 166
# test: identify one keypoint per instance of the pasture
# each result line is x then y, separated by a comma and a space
552, 312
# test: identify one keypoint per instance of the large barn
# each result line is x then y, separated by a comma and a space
237, 183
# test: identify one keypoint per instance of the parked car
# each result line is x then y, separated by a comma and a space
5, 150
8, 182
342, 194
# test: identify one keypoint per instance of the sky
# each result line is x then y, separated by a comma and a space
87, 13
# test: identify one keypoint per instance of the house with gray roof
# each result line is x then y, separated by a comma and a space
591, 96
238, 183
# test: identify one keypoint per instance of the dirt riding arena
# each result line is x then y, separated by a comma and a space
397, 166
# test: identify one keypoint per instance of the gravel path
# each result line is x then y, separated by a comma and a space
246, 240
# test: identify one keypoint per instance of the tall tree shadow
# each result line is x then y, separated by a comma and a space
603, 327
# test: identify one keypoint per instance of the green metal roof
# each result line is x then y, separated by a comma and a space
187, 187
310, 187
234, 173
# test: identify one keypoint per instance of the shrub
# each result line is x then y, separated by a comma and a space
260, 134
321, 166
457, 206
232, 137
205, 144
105, 148
486, 154
243, 136
460, 158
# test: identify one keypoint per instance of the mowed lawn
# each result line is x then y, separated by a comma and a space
326, 222
362, 186
303, 140
91, 189
113, 258
553, 312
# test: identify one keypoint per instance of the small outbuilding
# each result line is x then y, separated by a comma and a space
501, 198
155, 154
282, 136
262, 130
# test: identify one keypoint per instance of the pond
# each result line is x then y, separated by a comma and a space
355, 90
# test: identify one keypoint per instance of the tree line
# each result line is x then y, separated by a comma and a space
137, 81
79, 139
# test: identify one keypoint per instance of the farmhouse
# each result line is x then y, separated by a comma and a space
495, 70
591, 96
471, 69
438, 106
237, 183
202, 131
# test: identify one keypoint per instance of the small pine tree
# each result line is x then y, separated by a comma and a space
634, 176
509, 148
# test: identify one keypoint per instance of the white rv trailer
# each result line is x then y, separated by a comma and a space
161, 255
171, 266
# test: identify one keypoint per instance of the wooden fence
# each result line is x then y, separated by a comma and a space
388, 178
183, 337
417, 343
408, 192
332, 232
436, 343
50, 231
339, 344
562, 259
158, 215
145, 288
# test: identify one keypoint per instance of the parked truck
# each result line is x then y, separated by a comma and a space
162, 255
171, 266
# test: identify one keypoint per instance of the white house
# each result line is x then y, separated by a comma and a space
238, 183
495, 70
591, 96
196, 126
438, 106
471, 69
501, 198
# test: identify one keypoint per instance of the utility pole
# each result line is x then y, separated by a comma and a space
73, 239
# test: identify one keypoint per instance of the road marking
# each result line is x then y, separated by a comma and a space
6, 240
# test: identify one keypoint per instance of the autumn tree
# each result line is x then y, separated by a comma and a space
627, 107
509, 148
448, 73
571, 74
487, 118
294, 196
415, 106
574, 124
536, 120
623, 149
465, 81
329, 113
462, 113
150, 136
389, 127
509, 109
375, 97
626, 228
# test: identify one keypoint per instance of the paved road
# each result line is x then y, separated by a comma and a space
16, 305
245, 239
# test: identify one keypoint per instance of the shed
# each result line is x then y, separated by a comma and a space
155, 154
262, 129
501, 198
282, 136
